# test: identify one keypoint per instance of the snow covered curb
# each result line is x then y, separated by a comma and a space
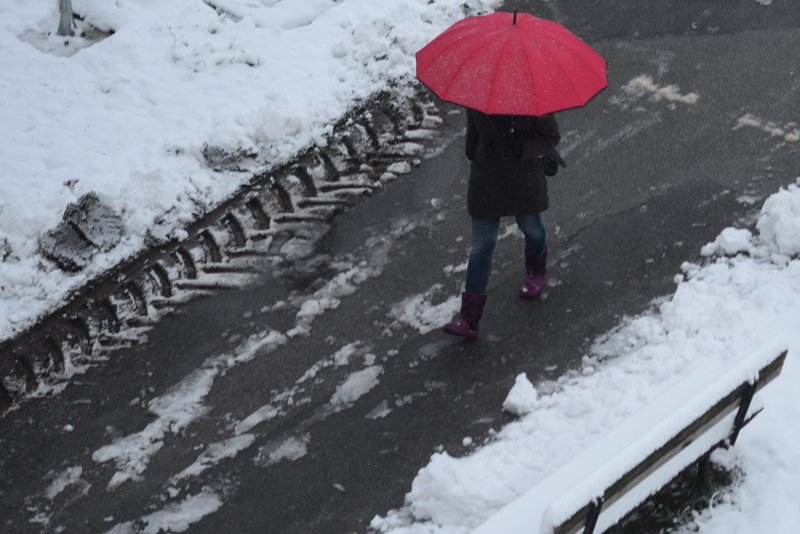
720, 312
128, 117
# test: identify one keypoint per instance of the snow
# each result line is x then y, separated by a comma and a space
722, 311
178, 517
729, 243
128, 116
343, 355
292, 448
380, 411
779, 225
176, 409
68, 477
789, 132
357, 385
216, 452
264, 413
343, 284
644, 84
521, 400
418, 311
659, 422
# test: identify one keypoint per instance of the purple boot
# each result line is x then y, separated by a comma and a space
471, 311
536, 267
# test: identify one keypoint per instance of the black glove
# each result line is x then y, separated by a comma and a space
551, 161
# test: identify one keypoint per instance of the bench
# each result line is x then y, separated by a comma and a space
596, 489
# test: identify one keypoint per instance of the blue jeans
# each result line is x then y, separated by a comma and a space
484, 239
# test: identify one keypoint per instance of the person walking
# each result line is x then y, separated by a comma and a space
512, 72
511, 156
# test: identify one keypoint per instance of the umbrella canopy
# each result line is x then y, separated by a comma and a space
505, 63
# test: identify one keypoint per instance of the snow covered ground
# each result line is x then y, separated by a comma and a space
127, 116
722, 311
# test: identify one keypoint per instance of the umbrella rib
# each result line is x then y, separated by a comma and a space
498, 63
558, 66
558, 32
580, 56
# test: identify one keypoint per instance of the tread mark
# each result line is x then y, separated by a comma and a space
54, 353
187, 261
211, 246
136, 296
258, 213
283, 196
110, 312
330, 168
373, 137
309, 187
235, 229
26, 370
163, 278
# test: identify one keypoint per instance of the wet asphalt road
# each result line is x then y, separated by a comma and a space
649, 182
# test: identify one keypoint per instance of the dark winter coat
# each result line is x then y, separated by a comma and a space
507, 176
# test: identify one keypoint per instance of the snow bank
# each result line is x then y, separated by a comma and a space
779, 225
720, 313
128, 116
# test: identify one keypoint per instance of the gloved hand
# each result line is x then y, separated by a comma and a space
552, 160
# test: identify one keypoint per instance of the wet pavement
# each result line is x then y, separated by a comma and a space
323, 412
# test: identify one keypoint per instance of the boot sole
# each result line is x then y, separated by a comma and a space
459, 334
529, 296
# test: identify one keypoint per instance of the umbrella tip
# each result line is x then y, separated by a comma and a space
515, 17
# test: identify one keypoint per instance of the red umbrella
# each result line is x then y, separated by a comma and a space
505, 63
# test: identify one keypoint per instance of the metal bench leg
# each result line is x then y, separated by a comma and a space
744, 405
701, 483
594, 514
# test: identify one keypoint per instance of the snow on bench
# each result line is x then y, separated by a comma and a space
703, 412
